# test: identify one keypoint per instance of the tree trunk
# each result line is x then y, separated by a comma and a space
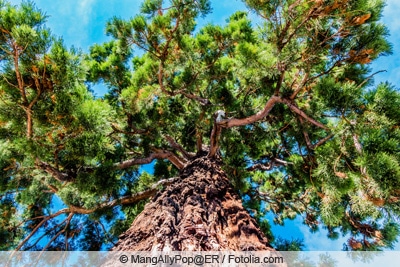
200, 212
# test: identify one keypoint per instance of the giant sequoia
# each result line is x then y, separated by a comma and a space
238, 120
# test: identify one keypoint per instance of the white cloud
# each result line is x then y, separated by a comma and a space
390, 63
391, 14
85, 9
319, 241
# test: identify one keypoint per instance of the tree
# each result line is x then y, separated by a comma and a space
239, 122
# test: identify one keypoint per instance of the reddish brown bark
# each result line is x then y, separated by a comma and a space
199, 212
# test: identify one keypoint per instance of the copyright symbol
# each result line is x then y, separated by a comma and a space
123, 259
198, 260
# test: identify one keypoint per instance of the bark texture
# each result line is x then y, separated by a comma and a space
199, 212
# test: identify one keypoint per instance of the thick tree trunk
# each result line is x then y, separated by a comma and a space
200, 212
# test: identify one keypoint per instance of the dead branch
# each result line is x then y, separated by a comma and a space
357, 143
369, 78
105, 232
46, 232
66, 210
68, 219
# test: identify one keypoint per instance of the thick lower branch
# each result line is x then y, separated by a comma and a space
229, 123
220, 122
127, 200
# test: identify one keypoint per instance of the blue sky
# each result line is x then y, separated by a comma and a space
81, 23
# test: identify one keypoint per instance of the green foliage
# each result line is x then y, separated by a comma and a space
63, 150
288, 245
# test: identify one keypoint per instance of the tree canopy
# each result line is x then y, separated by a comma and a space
287, 103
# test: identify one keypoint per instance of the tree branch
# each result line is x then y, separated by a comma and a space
47, 231
307, 139
370, 77
298, 111
135, 130
20, 80
259, 166
304, 21
220, 122
299, 86
56, 174
68, 219
322, 141
127, 200
105, 232
201, 100
66, 210
269, 165
282, 68
178, 147
216, 132
144, 194
229, 123
199, 140
159, 154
